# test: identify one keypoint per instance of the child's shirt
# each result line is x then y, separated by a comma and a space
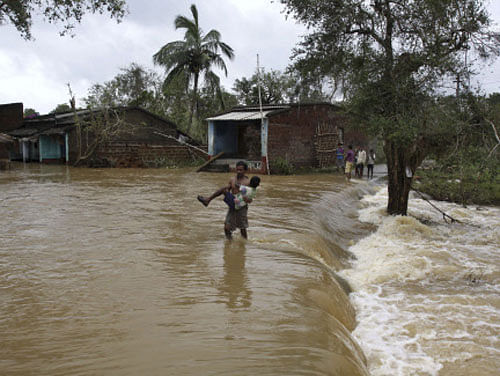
245, 191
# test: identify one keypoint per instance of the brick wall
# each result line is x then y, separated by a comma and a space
292, 133
140, 146
11, 116
119, 154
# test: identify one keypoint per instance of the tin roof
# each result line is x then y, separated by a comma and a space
5, 138
23, 132
241, 115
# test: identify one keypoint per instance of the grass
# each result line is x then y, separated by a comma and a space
448, 186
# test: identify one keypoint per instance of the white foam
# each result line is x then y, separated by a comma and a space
426, 292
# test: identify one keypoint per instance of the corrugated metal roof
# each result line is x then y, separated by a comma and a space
5, 138
240, 115
23, 132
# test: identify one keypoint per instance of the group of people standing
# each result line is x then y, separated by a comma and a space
355, 160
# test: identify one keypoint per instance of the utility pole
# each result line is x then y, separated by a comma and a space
458, 81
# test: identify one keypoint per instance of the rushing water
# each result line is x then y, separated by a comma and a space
427, 293
123, 272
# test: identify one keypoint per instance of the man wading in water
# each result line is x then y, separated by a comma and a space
234, 218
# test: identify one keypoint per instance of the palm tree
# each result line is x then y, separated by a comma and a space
196, 55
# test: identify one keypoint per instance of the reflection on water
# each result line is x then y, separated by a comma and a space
124, 272
234, 285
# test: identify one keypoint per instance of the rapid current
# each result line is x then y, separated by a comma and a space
123, 272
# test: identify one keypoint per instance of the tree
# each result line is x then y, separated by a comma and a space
30, 113
196, 55
135, 86
389, 57
20, 13
177, 108
466, 152
62, 107
276, 87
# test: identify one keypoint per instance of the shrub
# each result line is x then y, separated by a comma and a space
450, 185
281, 166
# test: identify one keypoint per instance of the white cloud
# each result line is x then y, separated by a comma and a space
36, 72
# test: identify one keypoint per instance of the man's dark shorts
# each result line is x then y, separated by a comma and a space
237, 218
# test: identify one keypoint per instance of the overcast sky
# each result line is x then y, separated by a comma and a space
37, 72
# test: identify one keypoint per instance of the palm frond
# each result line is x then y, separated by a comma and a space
214, 83
178, 71
192, 29
194, 12
212, 36
172, 54
226, 50
218, 61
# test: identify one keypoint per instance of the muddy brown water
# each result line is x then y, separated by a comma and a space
124, 272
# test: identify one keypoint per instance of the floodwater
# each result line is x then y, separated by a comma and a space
124, 272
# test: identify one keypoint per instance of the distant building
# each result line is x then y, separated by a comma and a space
304, 135
6, 146
117, 137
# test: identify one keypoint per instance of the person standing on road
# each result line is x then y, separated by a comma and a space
349, 162
360, 162
339, 157
370, 164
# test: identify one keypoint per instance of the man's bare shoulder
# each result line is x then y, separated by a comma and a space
244, 180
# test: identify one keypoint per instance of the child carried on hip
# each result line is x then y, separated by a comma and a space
244, 196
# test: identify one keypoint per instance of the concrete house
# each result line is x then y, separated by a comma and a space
118, 137
304, 135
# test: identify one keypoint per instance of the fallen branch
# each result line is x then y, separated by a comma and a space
182, 142
445, 216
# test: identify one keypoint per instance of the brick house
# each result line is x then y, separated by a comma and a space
6, 145
128, 137
304, 135
11, 117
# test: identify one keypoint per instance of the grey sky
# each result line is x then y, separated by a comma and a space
36, 72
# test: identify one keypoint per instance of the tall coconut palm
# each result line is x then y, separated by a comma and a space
196, 55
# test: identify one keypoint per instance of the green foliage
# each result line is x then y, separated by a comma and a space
281, 166
277, 87
480, 186
20, 13
62, 107
135, 86
465, 150
30, 112
177, 109
388, 60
